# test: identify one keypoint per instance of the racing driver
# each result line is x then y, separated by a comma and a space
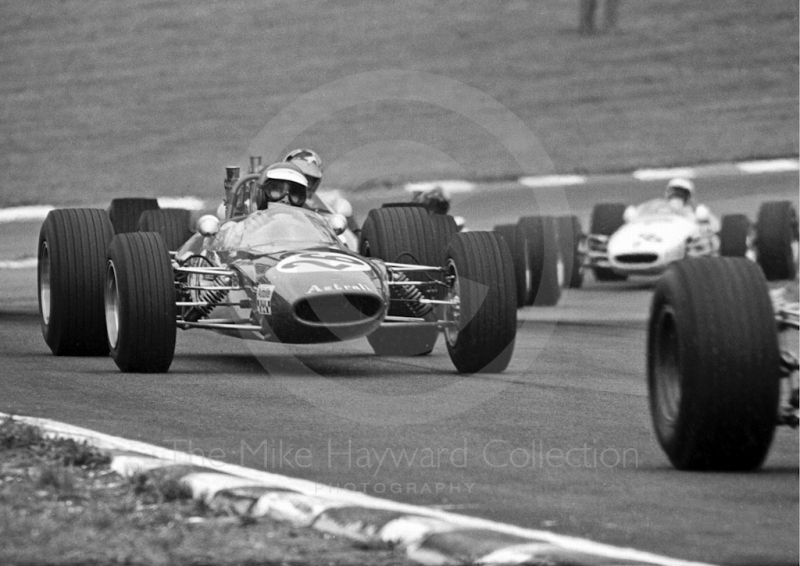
282, 182
679, 198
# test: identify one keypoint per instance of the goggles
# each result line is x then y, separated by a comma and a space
277, 189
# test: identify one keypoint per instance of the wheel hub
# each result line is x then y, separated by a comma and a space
44, 282
111, 296
667, 378
453, 312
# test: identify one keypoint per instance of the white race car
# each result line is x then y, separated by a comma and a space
646, 239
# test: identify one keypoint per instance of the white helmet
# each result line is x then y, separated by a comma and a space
281, 180
681, 188
310, 163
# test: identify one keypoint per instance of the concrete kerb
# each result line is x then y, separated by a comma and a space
425, 535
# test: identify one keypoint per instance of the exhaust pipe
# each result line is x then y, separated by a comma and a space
231, 176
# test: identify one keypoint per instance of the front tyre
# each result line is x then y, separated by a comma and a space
607, 218
70, 276
776, 240
733, 235
481, 275
569, 242
514, 238
540, 241
140, 307
713, 364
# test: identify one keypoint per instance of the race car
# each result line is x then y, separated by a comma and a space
540, 267
646, 239
718, 380
279, 273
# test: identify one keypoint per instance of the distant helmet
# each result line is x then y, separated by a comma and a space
680, 188
436, 200
281, 180
310, 163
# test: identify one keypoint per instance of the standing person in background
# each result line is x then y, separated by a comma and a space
587, 10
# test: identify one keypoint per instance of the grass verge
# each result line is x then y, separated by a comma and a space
107, 99
61, 504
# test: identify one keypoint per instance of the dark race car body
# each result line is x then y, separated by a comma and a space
297, 283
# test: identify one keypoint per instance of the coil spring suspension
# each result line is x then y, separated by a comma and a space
206, 296
411, 295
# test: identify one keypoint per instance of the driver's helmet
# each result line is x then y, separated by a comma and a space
282, 181
435, 200
309, 163
680, 188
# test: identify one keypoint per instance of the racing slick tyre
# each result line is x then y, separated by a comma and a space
404, 234
733, 232
125, 212
70, 278
776, 240
479, 266
445, 228
140, 303
713, 364
171, 223
607, 218
569, 241
539, 236
515, 240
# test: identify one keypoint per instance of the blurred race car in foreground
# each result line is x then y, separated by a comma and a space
276, 272
718, 380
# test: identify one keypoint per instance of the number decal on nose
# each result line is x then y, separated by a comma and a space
309, 262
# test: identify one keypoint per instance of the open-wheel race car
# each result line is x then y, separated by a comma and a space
646, 239
277, 273
719, 381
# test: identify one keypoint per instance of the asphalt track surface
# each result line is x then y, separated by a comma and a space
562, 440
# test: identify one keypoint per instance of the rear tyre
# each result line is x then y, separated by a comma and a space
515, 240
125, 212
569, 240
540, 238
607, 218
444, 228
733, 233
713, 364
483, 281
70, 277
403, 234
776, 240
140, 307
171, 223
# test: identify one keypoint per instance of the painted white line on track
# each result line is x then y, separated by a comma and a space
661, 174
27, 263
321, 491
552, 181
452, 186
189, 203
518, 554
24, 213
768, 166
